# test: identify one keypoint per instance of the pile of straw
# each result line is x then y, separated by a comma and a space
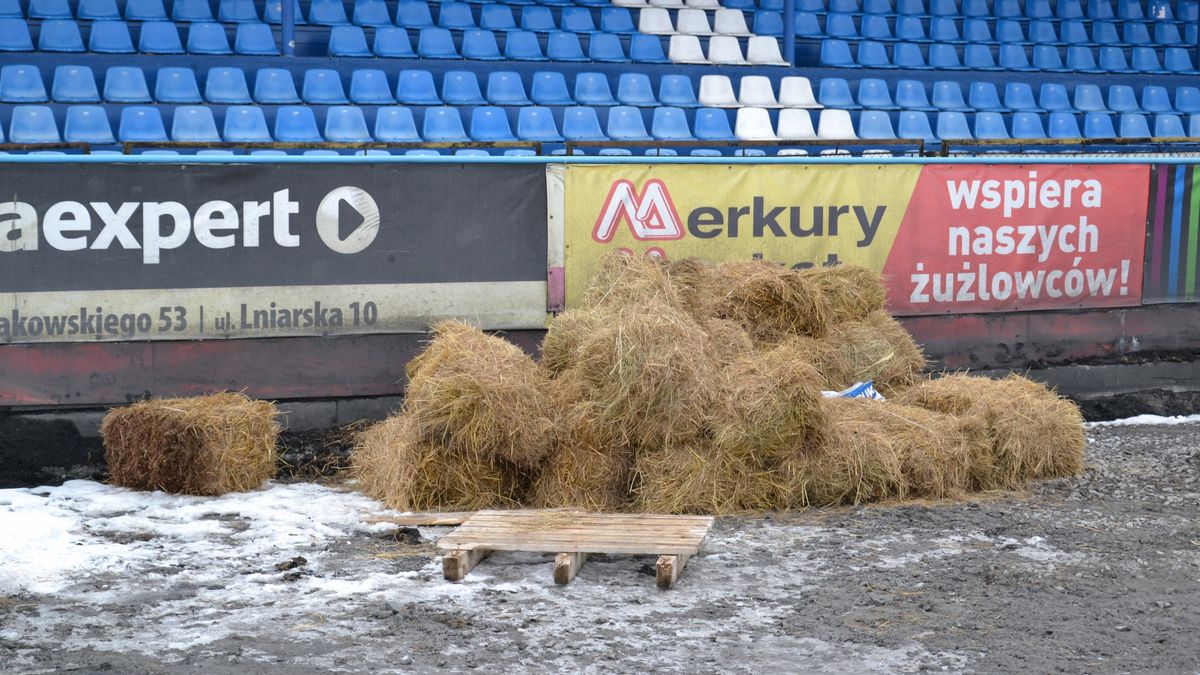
874, 348
772, 302
206, 445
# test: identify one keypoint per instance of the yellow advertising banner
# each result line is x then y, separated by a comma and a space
796, 215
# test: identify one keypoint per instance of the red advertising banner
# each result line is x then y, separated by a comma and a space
999, 238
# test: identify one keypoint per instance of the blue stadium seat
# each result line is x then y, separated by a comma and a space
273, 12
394, 124
194, 123
914, 124
712, 124
346, 124
415, 87
634, 89
490, 124
839, 25
1081, 60
977, 31
207, 38
834, 92
191, 10
522, 45
1133, 125
549, 88
323, 86
1028, 125
266, 153
952, 126
21, 84
592, 89
315, 153
625, 124
480, 44
471, 152
670, 124
1053, 97
87, 124
836, 54
1112, 59
944, 29
176, 85
944, 57
676, 90
535, 123
226, 85
505, 87
436, 43
576, 20
32, 124
943, 8
392, 42
443, 125
327, 13
237, 11
1155, 99
245, 124
1064, 125
74, 84
911, 29
616, 20
1177, 60
874, 27
581, 124
141, 123
1122, 99
271, 85
910, 95
881, 7
1145, 60
296, 124
771, 23
875, 125
563, 46
872, 54
348, 41
461, 87
1168, 126
947, 95
423, 152
1043, 33
60, 35
1010, 31
873, 93
1194, 126
646, 49
976, 8
110, 37
1019, 96
1105, 33
1069, 9
1046, 58
1089, 99
606, 47
1134, 33
49, 9
1100, 9
159, 37
123, 84
455, 15
371, 13
254, 39
1188, 11
1007, 9
1098, 125
98, 10
984, 97
979, 57
806, 25
413, 14
844, 7
145, 10
369, 86
500, 17
1074, 33
1187, 100
537, 18
989, 126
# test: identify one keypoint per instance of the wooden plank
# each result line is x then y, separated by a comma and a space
456, 564
668, 568
568, 531
566, 566
576, 547
426, 519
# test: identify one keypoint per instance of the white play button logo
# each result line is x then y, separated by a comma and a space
329, 219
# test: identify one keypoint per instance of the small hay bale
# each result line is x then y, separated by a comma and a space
651, 373
1034, 433
206, 445
772, 302
770, 406
623, 279
696, 478
482, 396
566, 332
395, 465
729, 341
696, 284
877, 348
852, 292
587, 469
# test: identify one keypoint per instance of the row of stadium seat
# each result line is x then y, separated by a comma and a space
1046, 58
943, 29
349, 124
1100, 10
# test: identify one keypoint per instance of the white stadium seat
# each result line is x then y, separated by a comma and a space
631, 4
756, 90
730, 22
703, 4
692, 22
725, 50
754, 124
795, 124
716, 91
763, 50
686, 49
792, 152
797, 92
667, 3
655, 21
835, 124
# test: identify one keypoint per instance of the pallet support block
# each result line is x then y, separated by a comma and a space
456, 563
566, 566
668, 569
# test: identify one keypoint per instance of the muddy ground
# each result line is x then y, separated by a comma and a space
1099, 574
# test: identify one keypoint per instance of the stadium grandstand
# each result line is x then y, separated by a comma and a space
609, 77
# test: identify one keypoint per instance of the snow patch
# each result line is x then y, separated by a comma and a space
1145, 420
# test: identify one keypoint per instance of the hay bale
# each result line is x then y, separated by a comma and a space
770, 405
587, 468
1034, 433
396, 465
566, 332
206, 445
481, 396
729, 340
651, 373
876, 348
772, 302
622, 280
696, 478
697, 285
852, 292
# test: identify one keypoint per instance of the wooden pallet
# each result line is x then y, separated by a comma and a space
422, 519
573, 535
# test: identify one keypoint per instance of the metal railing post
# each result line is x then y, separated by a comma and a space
789, 31
287, 26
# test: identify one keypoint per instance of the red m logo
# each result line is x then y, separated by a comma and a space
651, 215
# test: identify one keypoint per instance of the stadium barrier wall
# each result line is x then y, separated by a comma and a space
992, 264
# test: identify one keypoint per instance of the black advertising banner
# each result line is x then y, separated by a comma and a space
187, 251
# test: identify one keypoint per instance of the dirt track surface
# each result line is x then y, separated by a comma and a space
1100, 573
